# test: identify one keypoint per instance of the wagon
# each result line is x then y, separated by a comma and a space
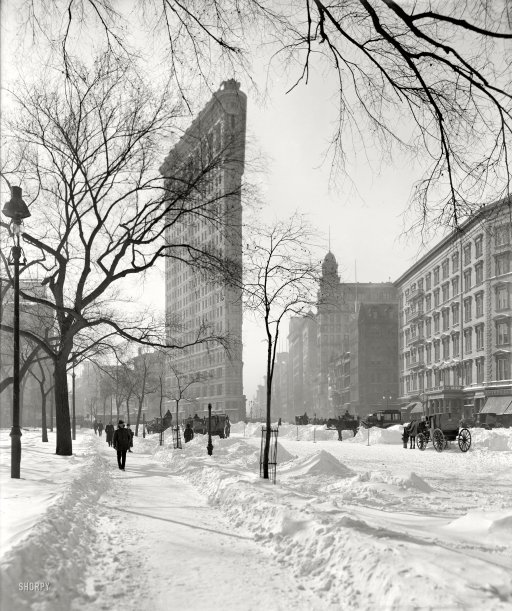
441, 429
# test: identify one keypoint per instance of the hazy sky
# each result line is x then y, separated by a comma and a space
363, 211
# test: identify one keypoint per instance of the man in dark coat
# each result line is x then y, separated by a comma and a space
122, 439
100, 427
189, 433
109, 432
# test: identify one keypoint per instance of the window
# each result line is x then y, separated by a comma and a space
455, 344
446, 291
428, 327
446, 319
428, 282
468, 371
503, 368
437, 350
455, 263
467, 280
428, 302
445, 269
467, 309
420, 284
436, 323
436, 275
479, 337
479, 304
479, 272
455, 314
446, 348
480, 370
468, 336
467, 254
502, 235
502, 263
455, 286
503, 333
479, 246
436, 298
429, 380
502, 297
428, 351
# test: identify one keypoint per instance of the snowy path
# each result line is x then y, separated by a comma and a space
160, 546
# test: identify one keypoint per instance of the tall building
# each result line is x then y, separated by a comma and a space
455, 318
325, 374
337, 311
209, 158
364, 377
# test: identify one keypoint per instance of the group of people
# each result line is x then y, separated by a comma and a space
98, 427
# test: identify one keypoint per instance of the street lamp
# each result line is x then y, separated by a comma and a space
209, 447
387, 400
16, 210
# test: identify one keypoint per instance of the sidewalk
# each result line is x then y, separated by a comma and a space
159, 546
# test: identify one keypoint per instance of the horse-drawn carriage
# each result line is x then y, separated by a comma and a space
157, 425
220, 425
345, 422
441, 429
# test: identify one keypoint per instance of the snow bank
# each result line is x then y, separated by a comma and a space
392, 435
495, 440
479, 523
321, 463
55, 549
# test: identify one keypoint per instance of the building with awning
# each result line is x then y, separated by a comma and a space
455, 321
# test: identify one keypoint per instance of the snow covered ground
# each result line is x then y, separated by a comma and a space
347, 525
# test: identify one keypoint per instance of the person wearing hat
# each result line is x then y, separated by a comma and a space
122, 439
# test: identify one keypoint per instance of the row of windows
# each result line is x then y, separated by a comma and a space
502, 237
440, 349
462, 375
441, 319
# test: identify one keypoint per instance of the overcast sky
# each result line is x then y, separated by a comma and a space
291, 133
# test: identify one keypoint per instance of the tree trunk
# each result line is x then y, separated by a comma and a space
128, 411
269, 400
138, 417
44, 437
63, 424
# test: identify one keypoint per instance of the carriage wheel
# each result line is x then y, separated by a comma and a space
421, 441
438, 440
464, 440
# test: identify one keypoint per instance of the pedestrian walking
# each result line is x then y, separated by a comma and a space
131, 437
109, 432
189, 433
121, 441
95, 427
339, 428
100, 427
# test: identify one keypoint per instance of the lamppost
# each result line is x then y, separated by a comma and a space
209, 447
16, 210
387, 400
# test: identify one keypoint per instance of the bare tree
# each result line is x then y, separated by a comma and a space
280, 279
40, 374
89, 141
433, 77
